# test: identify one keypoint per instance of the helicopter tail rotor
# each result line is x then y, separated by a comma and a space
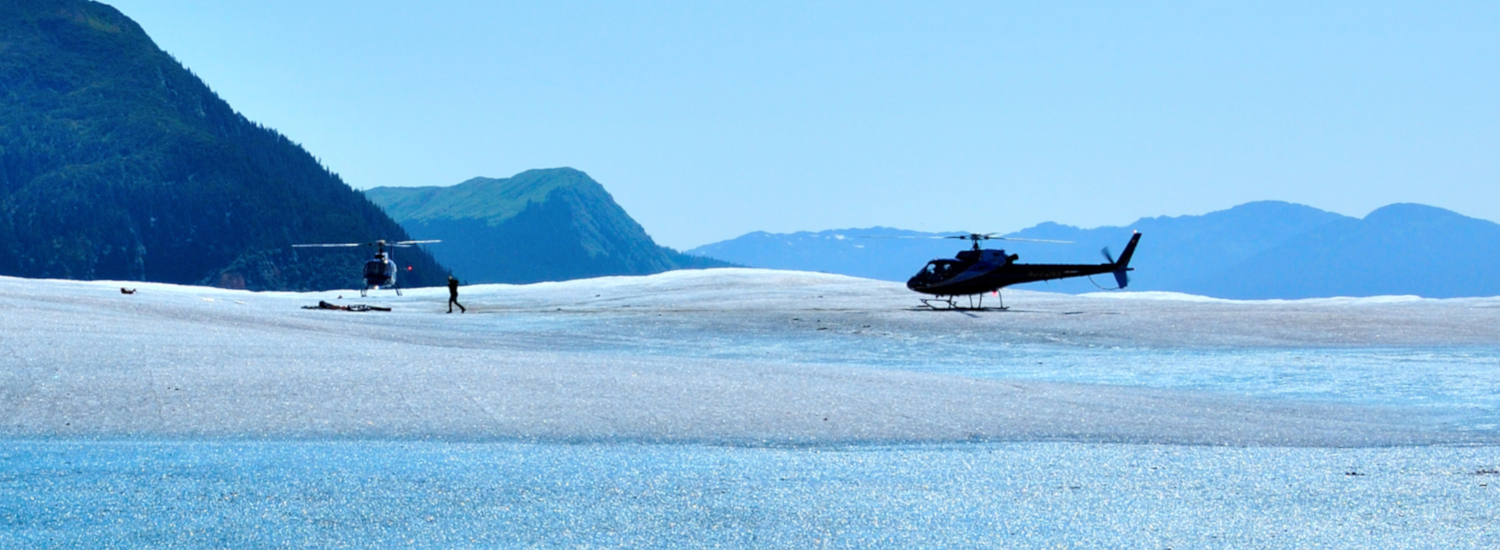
1122, 266
1122, 279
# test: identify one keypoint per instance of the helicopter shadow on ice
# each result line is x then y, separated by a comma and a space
971, 312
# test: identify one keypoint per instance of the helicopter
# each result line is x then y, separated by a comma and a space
977, 271
380, 271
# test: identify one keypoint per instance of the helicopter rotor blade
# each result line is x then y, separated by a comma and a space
1107, 255
976, 237
969, 237
410, 244
381, 242
1030, 240
920, 237
912, 236
340, 245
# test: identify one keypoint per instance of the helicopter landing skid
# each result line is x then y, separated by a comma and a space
363, 292
944, 303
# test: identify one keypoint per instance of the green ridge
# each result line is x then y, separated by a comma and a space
491, 199
539, 225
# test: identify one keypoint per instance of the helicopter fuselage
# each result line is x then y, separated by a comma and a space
979, 271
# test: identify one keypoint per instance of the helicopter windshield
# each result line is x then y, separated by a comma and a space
938, 270
379, 270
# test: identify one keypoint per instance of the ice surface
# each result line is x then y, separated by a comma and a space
745, 356
512, 495
797, 410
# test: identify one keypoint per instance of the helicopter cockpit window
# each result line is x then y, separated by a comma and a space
378, 269
937, 270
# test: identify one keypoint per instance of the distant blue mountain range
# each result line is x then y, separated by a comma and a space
1258, 250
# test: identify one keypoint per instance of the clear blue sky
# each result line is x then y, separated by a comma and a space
707, 120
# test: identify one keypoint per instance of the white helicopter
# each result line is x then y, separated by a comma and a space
380, 271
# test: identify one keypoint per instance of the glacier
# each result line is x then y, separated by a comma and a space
742, 408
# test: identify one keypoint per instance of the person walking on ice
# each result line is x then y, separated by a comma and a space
453, 296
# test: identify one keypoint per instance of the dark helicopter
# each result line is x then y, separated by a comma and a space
380, 271
975, 272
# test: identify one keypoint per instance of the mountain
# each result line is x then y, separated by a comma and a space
875, 253
1170, 255
1397, 249
539, 225
116, 162
1181, 253
1257, 250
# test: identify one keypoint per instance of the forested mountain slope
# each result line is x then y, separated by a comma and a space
116, 162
